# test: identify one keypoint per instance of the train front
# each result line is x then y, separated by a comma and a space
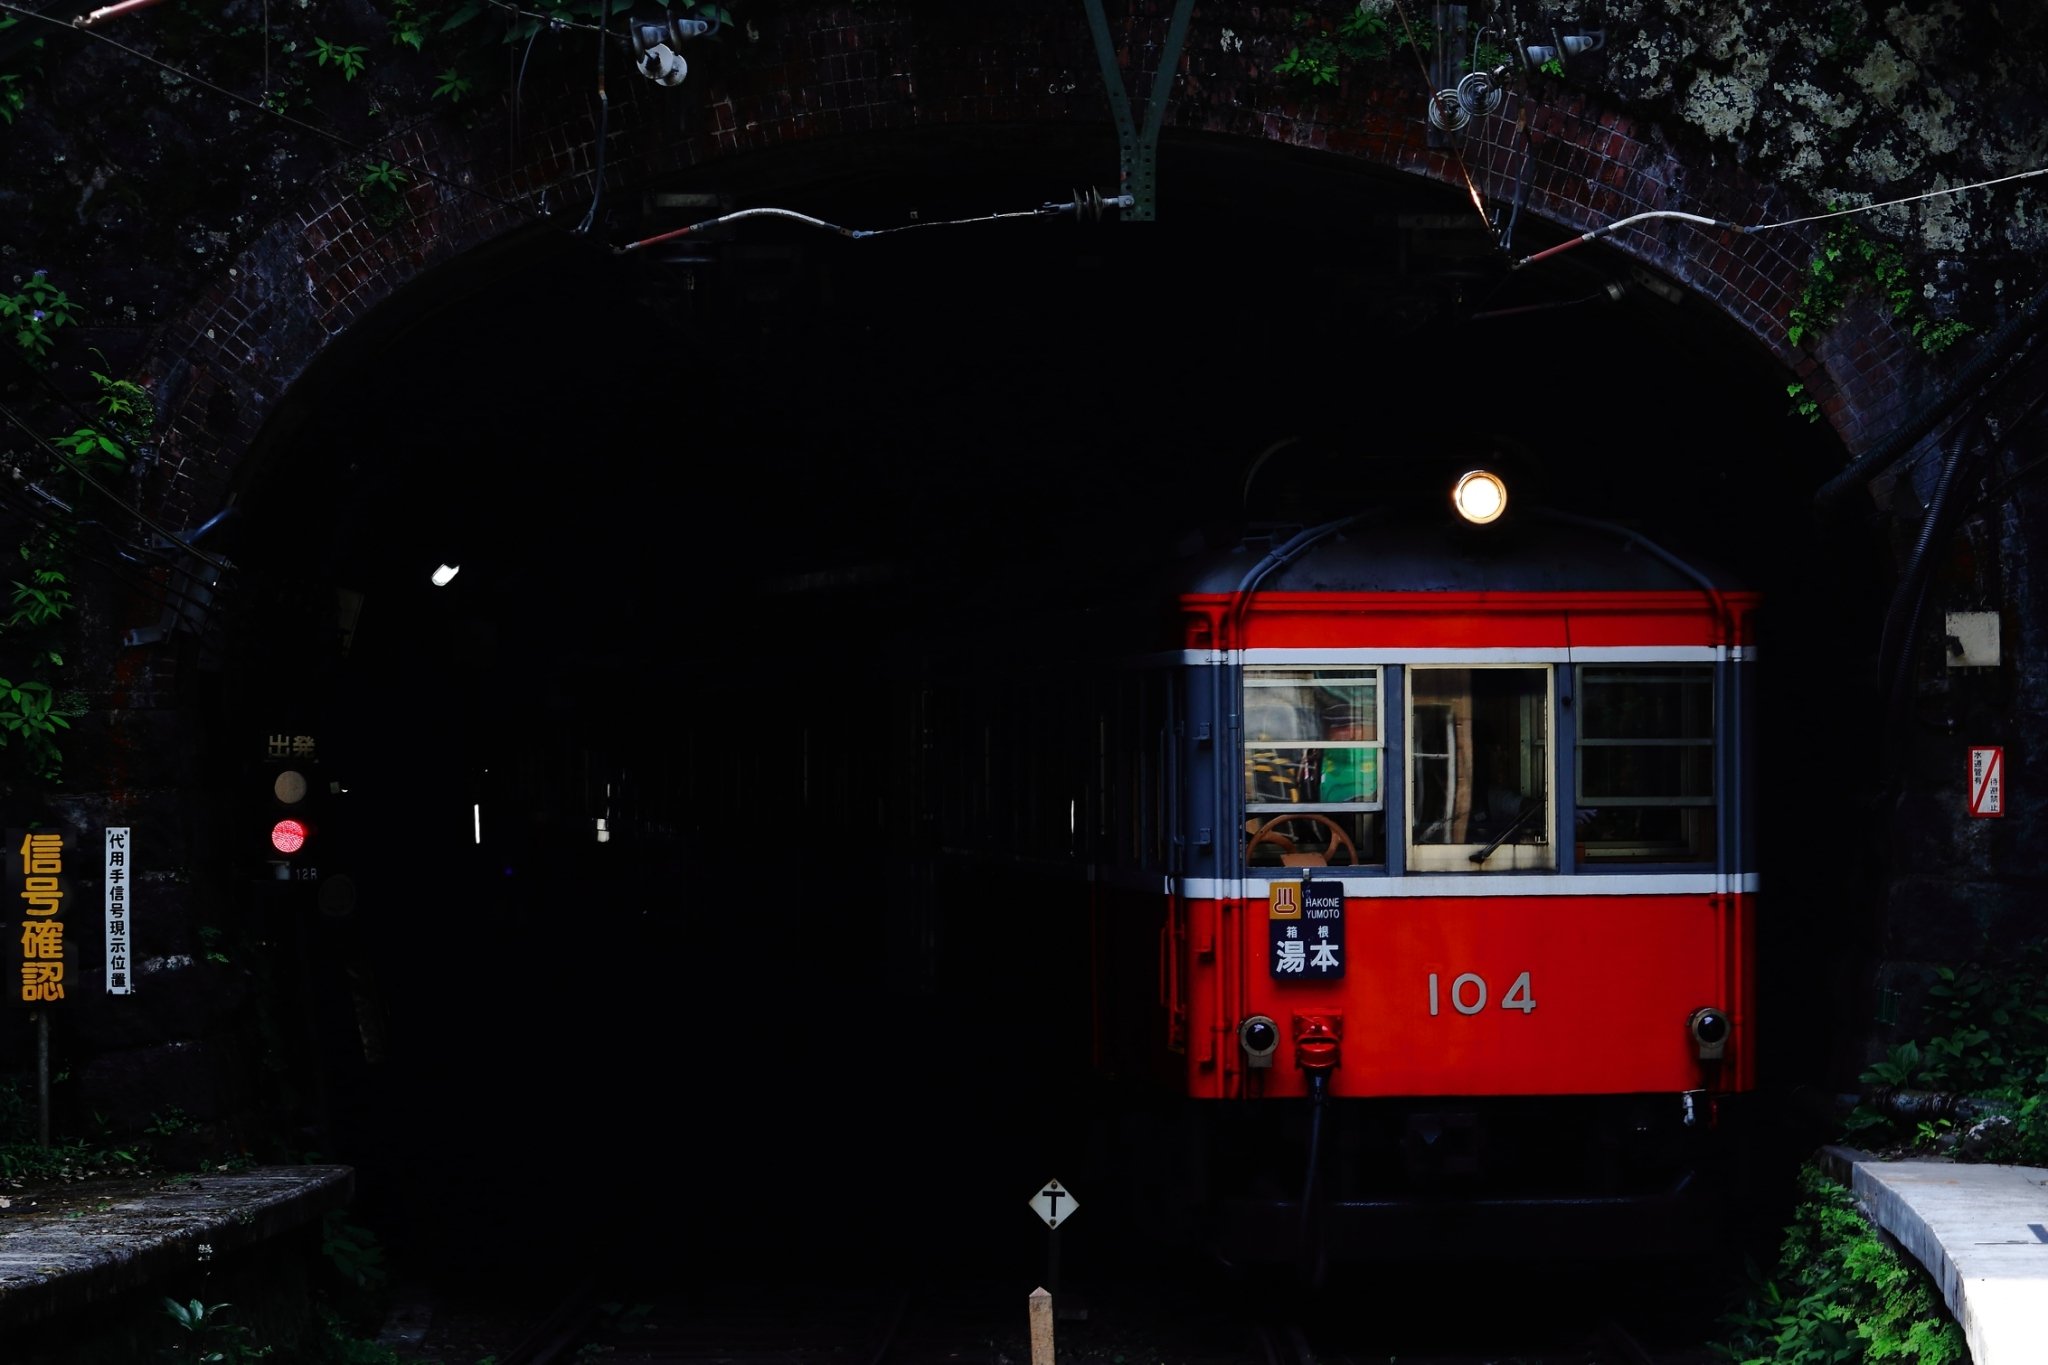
1473, 960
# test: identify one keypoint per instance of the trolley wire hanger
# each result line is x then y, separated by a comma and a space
1138, 150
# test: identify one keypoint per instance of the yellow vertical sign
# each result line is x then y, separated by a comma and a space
36, 868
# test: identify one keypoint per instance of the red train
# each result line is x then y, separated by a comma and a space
1379, 884
1412, 866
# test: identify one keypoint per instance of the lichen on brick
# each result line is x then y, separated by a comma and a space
1934, 121
1720, 106
1884, 75
1945, 224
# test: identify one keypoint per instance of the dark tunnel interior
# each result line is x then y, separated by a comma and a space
665, 471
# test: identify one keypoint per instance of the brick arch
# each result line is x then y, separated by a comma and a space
222, 368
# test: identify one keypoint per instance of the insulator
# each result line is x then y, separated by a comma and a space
1446, 112
1479, 93
669, 30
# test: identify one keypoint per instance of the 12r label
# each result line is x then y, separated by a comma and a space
1468, 994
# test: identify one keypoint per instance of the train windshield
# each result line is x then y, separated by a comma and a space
1479, 770
1312, 766
1646, 763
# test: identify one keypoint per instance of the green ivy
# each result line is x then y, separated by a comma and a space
1323, 45
1984, 1033
1847, 262
1839, 1295
33, 708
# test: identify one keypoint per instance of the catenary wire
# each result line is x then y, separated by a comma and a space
1728, 226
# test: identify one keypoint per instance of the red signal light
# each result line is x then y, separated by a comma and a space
288, 835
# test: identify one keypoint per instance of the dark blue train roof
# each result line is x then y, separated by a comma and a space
1530, 550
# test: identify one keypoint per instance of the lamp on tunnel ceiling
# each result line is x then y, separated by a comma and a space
655, 41
445, 574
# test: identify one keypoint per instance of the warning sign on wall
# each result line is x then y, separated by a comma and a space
1987, 781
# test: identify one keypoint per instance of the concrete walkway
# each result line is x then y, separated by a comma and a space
63, 1249
1980, 1230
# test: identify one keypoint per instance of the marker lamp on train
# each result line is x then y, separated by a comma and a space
1709, 1028
1259, 1036
1480, 496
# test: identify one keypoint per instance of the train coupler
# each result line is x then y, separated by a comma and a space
1317, 1038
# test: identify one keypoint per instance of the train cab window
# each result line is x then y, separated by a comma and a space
1479, 770
1646, 763
1312, 766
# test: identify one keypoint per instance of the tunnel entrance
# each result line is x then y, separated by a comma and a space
572, 996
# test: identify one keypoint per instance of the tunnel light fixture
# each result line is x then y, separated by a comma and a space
445, 575
1480, 497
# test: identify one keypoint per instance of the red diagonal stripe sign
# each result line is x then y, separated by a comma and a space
1987, 781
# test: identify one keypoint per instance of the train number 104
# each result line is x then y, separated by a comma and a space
1468, 994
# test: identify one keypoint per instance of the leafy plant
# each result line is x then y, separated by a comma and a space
217, 1342
382, 186
1314, 61
1985, 1034
36, 311
382, 177
353, 1252
169, 1124
1838, 1294
1847, 261
13, 95
408, 27
454, 85
1361, 33
349, 59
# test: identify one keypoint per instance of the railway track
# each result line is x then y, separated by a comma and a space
821, 1321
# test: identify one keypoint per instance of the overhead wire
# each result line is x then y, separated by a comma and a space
858, 234
1728, 226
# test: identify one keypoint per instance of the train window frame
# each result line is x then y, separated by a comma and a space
1325, 676
1702, 845
1361, 820
1538, 855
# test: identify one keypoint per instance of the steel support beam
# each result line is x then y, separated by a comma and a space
1138, 150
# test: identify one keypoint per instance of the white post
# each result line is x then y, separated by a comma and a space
1041, 1327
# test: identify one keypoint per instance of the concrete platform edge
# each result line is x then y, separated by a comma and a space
78, 1247
1968, 1226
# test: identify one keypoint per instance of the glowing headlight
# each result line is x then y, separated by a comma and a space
1480, 497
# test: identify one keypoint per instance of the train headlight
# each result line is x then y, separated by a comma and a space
1259, 1037
1709, 1028
1480, 497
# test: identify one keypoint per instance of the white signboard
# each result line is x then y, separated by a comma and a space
1055, 1203
120, 962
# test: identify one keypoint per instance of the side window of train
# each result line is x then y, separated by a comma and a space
1645, 763
1312, 747
1479, 778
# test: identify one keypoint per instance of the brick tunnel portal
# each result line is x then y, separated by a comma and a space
661, 470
